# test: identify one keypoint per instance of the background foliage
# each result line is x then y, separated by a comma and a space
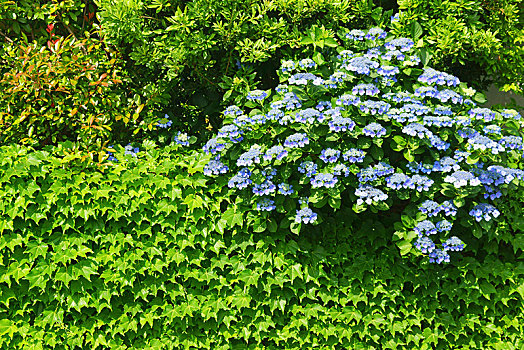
148, 253
67, 90
482, 41
186, 58
201, 51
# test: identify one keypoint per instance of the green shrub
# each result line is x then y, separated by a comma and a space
67, 90
189, 57
29, 19
151, 254
480, 40
187, 54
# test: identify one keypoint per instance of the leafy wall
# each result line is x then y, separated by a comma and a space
151, 254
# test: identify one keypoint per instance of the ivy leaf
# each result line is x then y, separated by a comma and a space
7, 326
232, 217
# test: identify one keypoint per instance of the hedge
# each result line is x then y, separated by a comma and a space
148, 253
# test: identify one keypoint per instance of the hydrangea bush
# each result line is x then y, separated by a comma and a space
367, 120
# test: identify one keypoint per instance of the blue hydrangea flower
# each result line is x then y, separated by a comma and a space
305, 215
422, 183
308, 168
166, 122
462, 178
450, 95
110, 156
354, 155
266, 204
265, 188
375, 33
431, 76
341, 169
508, 173
285, 189
443, 110
345, 55
399, 97
446, 165
361, 65
402, 44
232, 131
303, 78
276, 151
323, 105
297, 140
329, 155
424, 244
484, 114
369, 195
463, 120
215, 167
438, 143
438, 256
448, 208
388, 71
512, 142
214, 146
484, 211
241, 179
389, 55
510, 113
131, 150
492, 129
356, 34
339, 123
484, 143
334, 79
291, 101
453, 244
233, 110
308, 116
415, 60
416, 129
251, 156
399, 181
467, 133
287, 66
415, 108
372, 53
374, 130
348, 100
439, 122
401, 117
282, 88
374, 107
425, 228
430, 208
372, 173
395, 18
307, 63
444, 226
426, 91
182, 139
256, 95
365, 89
324, 180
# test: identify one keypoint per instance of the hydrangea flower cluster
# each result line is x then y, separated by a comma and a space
346, 124
181, 138
166, 123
